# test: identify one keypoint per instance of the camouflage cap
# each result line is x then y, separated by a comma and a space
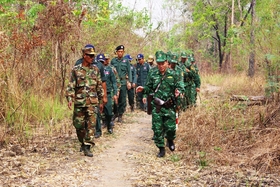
191, 58
160, 56
89, 49
173, 58
107, 56
183, 55
150, 58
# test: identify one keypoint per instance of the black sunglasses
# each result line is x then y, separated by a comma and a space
89, 55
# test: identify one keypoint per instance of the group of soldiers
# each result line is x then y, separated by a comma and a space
99, 88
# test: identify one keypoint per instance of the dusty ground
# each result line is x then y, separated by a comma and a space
126, 158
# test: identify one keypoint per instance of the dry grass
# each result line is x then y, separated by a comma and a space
230, 133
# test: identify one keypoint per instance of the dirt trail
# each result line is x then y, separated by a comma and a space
61, 164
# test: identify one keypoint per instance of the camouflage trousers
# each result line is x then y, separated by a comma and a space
84, 120
163, 125
190, 95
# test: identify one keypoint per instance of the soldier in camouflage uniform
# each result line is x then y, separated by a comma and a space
195, 86
98, 131
112, 92
173, 65
123, 68
85, 90
165, 86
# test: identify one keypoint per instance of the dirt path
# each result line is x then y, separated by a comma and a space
60, 164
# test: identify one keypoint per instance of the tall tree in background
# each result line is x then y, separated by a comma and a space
251, 71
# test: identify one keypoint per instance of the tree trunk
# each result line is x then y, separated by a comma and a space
251, 71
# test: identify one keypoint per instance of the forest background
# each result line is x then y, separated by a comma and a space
40, 40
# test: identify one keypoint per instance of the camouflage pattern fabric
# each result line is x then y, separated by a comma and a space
163, 121
85, 90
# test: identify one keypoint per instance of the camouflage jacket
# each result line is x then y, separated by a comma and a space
85, 86
167, 87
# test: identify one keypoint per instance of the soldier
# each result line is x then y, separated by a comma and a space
151, 61
85, 90
131, 92
189, 76
123, 68
165, 86
195, 87
173, 65
112, 92
142, 70
98, 131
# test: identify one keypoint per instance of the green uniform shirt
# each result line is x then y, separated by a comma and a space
111, 82
123, 68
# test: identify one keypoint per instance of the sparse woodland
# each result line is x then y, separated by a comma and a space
236, 46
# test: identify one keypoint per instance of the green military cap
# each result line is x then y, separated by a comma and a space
184, 55
160, 56
173, 58
191, 58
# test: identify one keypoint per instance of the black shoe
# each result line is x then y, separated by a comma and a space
110, 130
86, 149
161, 152
114, 117
112, 124
171, 145
120, 119
97, 135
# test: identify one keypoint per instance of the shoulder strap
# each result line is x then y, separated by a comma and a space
160, 83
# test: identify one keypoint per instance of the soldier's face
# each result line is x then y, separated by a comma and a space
183, 59
120, 53
162, 66
141, 60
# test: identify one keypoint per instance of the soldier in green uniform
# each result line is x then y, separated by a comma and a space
85, 90
188, 81
173, 65
123, 68
165, 86
131, 92
195, 87
142, 70
112, 92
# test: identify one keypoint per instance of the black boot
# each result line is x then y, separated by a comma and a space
132, 108
120, 118
110, 130
161, 152
114, 117
171, 145
86, 149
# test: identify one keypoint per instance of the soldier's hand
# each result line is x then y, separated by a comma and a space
197, 89
144, 100
139, 89
187, 70
133, 85
70, 105
101, 106
177, 92
115, 99
105, 100
128, 85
